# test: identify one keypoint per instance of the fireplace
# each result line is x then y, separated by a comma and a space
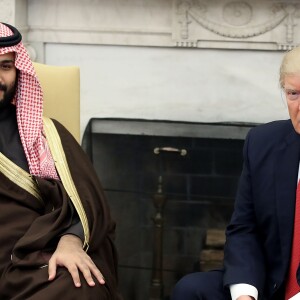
194, 167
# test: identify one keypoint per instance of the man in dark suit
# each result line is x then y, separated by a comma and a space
261, 260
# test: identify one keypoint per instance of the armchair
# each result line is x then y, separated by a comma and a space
61, 89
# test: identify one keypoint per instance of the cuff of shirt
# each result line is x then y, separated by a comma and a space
75, 229
239, 289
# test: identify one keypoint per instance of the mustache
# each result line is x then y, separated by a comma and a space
3, 87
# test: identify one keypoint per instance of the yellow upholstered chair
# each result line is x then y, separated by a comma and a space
61, 89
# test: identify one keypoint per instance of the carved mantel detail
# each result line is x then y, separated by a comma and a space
227, 24
237, 13
234, 13
268, 25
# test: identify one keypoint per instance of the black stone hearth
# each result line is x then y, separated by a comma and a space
199, 188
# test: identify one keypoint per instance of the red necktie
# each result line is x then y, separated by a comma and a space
292, 286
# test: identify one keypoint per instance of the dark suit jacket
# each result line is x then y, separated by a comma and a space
259, 236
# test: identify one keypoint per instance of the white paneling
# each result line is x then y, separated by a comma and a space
174, 84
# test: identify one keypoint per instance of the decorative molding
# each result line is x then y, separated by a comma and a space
238, 32
237, 13
228, 24
161, 37
290, 22
260, 25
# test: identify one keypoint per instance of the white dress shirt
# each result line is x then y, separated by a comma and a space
237, 290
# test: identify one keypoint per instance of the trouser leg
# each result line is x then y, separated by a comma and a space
201, 286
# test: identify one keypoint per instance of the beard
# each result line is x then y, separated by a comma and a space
8, 94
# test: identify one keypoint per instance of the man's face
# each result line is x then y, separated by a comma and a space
8, 75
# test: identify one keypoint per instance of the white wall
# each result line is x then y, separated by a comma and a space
206, 61
175, 84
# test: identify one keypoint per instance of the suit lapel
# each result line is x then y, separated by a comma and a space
285, 186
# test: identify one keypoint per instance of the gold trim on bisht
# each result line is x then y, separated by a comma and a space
19, 176
62, 167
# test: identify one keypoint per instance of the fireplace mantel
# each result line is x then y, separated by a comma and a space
256, 24
168, 128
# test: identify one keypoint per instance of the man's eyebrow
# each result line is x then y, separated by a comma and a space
289, 88
7, 61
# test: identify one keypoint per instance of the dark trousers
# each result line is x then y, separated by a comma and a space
201, 286
208, 286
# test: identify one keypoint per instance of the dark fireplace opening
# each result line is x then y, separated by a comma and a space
195, 168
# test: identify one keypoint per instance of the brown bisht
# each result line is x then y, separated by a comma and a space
35, 211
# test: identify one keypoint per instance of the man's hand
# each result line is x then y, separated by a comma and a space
245, 298
69, 254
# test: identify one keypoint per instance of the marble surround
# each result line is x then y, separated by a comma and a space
233, 24
225, 54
